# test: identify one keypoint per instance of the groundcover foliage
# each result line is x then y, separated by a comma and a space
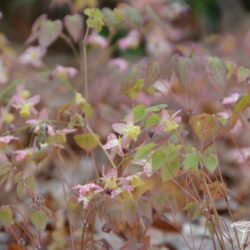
128, 142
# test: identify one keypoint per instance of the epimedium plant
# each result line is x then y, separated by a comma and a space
158, 159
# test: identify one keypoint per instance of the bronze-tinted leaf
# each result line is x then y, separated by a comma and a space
49, 32
74, 25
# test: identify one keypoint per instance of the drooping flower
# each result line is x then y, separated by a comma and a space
4, 140
114, 144
23, 154
147, 166
33, 56
114, 185
86, 192
230, 100
97, 40
119, 63
25, 106
65, 72
132, 40
169, 123
128, 130
41, 122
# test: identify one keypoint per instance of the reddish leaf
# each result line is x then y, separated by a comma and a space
49, 32
74, 25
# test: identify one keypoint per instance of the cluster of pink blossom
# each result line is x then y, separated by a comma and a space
112, 186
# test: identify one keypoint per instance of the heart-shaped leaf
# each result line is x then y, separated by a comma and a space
39, 219
74, 25
49, 32
6, 216
86, 141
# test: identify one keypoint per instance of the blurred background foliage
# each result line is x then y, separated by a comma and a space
212, 15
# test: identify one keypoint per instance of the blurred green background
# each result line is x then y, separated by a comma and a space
214, 15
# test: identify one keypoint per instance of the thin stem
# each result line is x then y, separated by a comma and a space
85, 65
100, 144
65, 202
215, 212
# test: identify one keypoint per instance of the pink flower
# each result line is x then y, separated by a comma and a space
147, 166
87, 192
33, 56
65, 72
128, 130
224, 116
114, 144
119, 63
96, 40
169, 123
42, 119
23, 154
130, 41
25, 106
230, 100
61, 131
7, 139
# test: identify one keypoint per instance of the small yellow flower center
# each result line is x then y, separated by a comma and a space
171, 126
79, 99
110, 184
133, 132
25, 110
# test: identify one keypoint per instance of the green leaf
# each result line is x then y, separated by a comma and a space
191, 160
158, 158
133, 16
112, 18
152, 121
39, 219
217, 70
210, 162
242, 74
119, 15
49, 32
190, 206
130, 213
139, 113
87, 141
87, 109
6, 216
135, 89
95, 18
183, 68
156, 108
20, 188
205, 126
242, 104
170, 169
5, 170
159, 201
143, 151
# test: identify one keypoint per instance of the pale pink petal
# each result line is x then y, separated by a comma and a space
228, 101
34, 100
120, 63
7, 139
119, 127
